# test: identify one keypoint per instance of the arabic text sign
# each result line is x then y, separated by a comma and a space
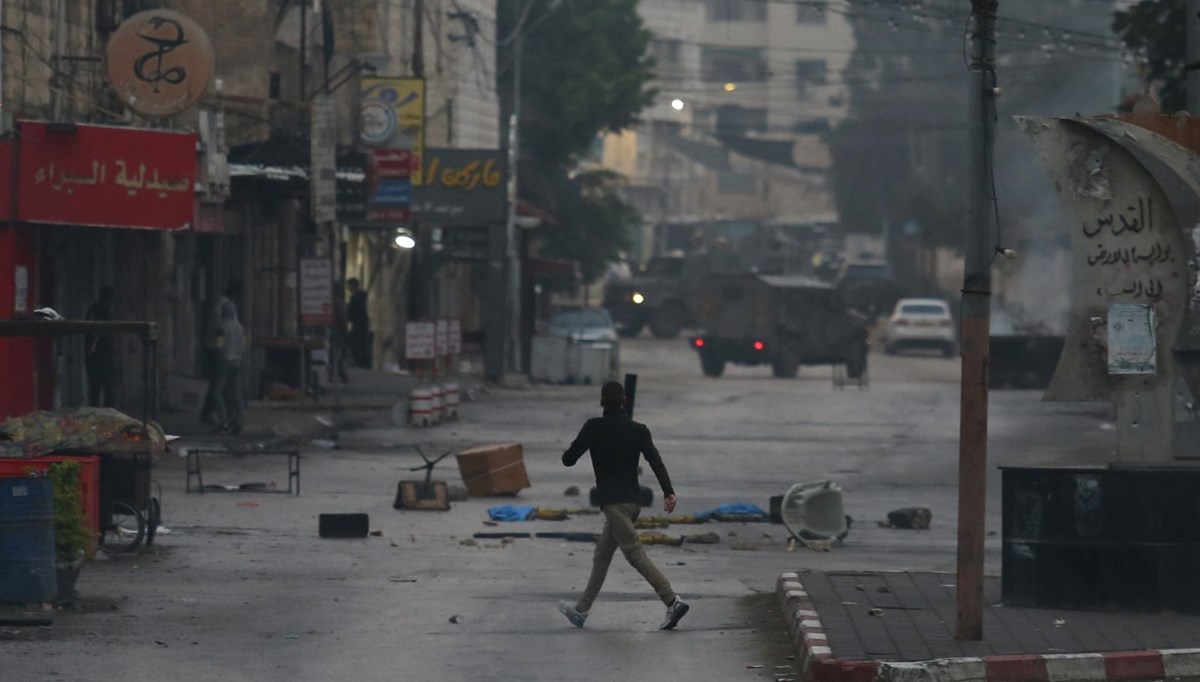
454, 342
323, 178
392, 114
461, 187
420, 341
441, 332
316, 292
389, 182
105, 176
159, 62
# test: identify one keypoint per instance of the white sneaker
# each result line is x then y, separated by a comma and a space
573, 614
677, 610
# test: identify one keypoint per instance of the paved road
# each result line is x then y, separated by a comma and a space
242, 589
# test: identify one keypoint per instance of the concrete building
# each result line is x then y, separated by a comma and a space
252, 218
747, 91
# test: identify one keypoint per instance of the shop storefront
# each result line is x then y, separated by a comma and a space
83, 207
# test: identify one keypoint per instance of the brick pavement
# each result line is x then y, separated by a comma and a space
867, 626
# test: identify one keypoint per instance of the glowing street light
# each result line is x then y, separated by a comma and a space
730, 87
677, 104
405, 240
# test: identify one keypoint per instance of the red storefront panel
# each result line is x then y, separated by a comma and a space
102, 176
18, 296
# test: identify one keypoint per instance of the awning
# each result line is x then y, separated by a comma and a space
549, 268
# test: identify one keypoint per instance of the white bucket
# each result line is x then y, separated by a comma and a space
450, 400
438, 398
420, 407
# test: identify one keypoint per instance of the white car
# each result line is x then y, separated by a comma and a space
923, 323
589, 325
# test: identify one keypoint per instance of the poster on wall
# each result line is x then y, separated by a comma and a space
420, 341
21, 304
316, 292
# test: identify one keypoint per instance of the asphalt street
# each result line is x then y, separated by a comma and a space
243, 589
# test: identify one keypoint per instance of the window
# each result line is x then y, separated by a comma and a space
809, 72
810, 14
666, 54
733, 65
736, 120
735, 10
735, 183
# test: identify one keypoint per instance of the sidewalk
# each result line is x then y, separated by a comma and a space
368, 391
911, 637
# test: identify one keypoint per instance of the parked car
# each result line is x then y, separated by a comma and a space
590, 325
921, 323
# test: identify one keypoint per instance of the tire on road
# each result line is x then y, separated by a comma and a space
785, 366
631, 329
712, 364
666, 322
856, 362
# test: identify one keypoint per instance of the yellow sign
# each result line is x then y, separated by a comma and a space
393, 117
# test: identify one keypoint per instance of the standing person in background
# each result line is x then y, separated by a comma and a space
100, 353
360, 324
227, 390
338, 338
213, 339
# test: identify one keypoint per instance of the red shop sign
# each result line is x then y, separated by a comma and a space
104, 176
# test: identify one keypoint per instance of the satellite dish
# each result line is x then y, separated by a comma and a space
813, 511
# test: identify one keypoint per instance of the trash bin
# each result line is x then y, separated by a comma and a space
814, 511
595, 363
27, 541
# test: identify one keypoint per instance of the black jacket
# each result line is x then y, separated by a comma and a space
616, 441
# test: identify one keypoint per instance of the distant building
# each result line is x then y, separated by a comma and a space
747, 92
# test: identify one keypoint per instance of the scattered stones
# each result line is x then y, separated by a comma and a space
456, 619
744, 546
883, 589
572, 491
910, 518
875, 612
709, 538
469, 542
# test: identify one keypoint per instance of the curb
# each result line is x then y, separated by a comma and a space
818, 664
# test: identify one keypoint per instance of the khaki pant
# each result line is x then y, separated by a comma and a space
619, 532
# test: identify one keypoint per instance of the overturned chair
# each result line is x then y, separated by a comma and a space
813, 512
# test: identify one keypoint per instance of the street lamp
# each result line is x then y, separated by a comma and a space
677, 104
405, 240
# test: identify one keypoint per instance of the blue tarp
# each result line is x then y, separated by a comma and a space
508, 512
734, 510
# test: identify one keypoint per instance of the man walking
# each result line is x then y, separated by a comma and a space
616, 442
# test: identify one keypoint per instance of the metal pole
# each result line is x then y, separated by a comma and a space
1193, 57
303, 47
979, 248
510, 232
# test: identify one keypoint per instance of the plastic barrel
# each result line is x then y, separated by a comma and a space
421, 406
450, 402
27, 541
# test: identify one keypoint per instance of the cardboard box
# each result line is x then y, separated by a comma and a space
491, 470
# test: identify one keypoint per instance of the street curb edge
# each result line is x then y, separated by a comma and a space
818, 664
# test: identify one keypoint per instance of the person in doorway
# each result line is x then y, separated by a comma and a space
339, 340
100, 353
227, 394
213, 352
616, 442
360, 323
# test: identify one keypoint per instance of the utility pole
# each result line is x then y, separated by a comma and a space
510, 229
1193, 57
979, 249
